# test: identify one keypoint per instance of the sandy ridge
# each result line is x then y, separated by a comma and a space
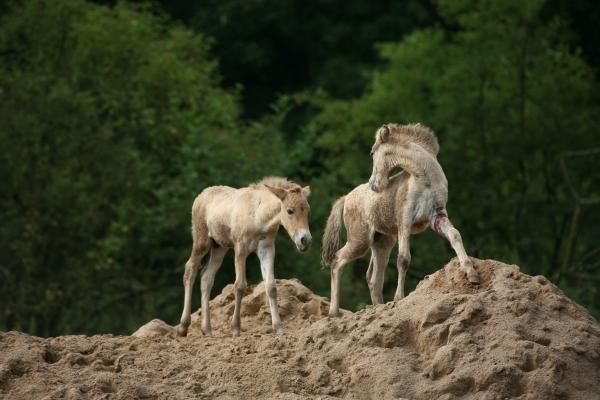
513, 336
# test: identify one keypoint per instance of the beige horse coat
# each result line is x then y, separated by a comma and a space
388, 209
246, 220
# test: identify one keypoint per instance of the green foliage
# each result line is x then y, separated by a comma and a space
113, 120
276, 47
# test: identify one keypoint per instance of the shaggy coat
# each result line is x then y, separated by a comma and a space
390, 209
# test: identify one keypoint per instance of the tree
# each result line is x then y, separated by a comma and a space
113, 120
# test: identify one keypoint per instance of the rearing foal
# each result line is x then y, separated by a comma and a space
246, 220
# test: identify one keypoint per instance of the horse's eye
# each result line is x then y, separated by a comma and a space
290, 211
371, 154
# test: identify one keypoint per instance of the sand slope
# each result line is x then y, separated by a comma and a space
513, 336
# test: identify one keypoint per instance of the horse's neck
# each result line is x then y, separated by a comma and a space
416, 160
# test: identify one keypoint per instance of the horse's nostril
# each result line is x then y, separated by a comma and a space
304, 241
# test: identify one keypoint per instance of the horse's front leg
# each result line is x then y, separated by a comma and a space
239, 287
405, 222
380, 254
266, 254
403, 262
442, 225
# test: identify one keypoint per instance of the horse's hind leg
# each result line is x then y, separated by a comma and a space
369, 275
200, 248
380, 254
442, 225
207, 279
350, 252
239, 287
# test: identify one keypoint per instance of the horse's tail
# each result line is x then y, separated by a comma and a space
331, 236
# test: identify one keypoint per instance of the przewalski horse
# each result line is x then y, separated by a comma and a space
246, 220
392, 208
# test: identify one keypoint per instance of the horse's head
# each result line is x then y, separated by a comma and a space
382, 152
294, 214
392, 145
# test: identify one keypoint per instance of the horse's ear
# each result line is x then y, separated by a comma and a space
383, 133
279, 192
306, 191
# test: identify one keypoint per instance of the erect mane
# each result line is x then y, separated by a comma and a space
418, 133
277, 182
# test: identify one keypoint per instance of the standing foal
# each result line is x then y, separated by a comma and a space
246, 220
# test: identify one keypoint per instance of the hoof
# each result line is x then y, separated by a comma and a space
206, 332
474, 279
235, 333
334, 313
376, 300
279, 331
181, 331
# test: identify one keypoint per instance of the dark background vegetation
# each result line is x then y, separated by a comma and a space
113, 116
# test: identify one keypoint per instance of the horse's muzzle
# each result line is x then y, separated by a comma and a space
303, 240
373, 184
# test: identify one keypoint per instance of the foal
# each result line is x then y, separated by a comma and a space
388, 209
246, 220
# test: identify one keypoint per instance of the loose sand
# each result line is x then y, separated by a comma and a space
513, 336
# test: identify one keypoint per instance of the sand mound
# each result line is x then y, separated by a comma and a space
513, 336
298, 306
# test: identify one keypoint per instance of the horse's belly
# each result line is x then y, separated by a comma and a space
390, 228
219, 230
419, 226
385, 218
387, 227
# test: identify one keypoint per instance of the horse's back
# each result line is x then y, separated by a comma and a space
230, 213
213, 192
210, 195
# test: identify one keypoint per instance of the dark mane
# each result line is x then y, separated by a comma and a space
421, 134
